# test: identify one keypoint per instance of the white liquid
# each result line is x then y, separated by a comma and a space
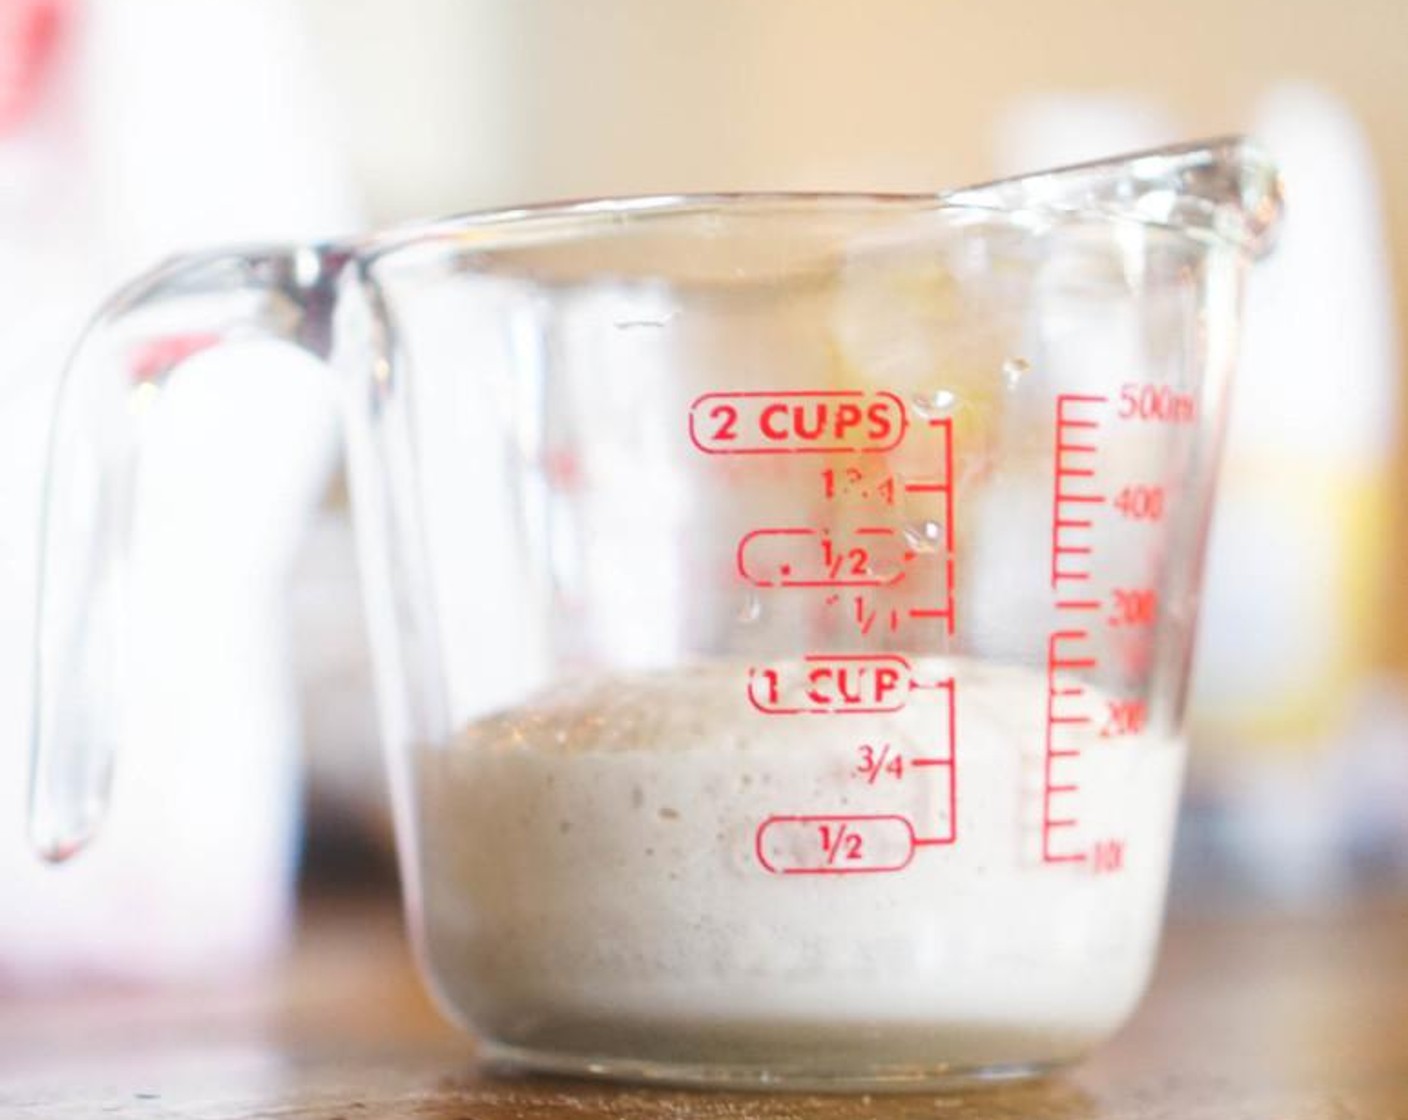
593, 884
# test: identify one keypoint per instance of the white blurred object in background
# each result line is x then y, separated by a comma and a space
163, 125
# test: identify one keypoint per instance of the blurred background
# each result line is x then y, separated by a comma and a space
136, 128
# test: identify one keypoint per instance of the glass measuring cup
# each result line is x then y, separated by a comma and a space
781, 605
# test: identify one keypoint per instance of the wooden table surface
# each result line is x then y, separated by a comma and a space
1252, 1016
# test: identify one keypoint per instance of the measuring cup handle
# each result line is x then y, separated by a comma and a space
125, 356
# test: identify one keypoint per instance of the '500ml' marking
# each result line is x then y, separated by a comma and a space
789, 423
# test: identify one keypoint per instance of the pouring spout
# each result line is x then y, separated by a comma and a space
1221, 190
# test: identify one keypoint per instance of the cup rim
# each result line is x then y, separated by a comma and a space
1230, 196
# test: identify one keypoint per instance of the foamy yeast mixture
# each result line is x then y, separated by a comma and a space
593, 883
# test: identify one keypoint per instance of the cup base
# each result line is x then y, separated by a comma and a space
503, 1060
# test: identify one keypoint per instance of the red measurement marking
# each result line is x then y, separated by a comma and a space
155, 358
1133, 606
944, 614
1072, 465
1065, 653
867, 617
799, 557
1059, 655
875, 761
950, 836
854, 482
1140, 503
1157, 403
762, 423
1125, 717
562, 469
944, 487
837, 837
946, 425
834, 845
1107, 856
943, 483
832, 684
